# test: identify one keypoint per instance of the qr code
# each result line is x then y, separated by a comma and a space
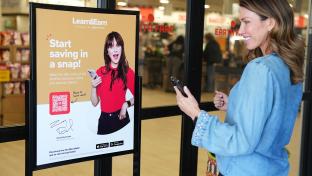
59, 103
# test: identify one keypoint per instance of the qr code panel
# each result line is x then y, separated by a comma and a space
59, 103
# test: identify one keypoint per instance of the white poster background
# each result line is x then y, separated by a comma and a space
74, 135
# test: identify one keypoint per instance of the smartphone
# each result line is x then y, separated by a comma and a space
92, 74
179, 84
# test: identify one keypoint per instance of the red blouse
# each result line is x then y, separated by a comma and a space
112, 100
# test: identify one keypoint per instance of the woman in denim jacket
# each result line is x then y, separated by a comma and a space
262, 107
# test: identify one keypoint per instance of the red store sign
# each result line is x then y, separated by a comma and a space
219, 31
154, 27
147, 22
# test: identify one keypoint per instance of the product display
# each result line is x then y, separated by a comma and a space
5, 55
6, 38
17, 88
25, 38
25, 55
15, 70
25, 72
16, 38
14, 64
8, 88
18, 56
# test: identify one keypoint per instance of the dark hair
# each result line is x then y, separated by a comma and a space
209, 37
180, 39
282, 38
123, 65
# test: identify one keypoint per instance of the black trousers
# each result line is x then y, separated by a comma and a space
110, 122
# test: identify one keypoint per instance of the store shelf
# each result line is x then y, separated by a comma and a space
15, 14
5, 47
22, 46
12, 102
14, 95
23, 62
4, 62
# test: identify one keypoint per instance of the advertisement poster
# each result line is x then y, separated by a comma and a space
85, 79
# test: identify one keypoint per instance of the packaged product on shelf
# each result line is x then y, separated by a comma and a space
25, 38
15, 70
25, 55
17, 40
17, 88
4, 73
5, 55
3, 67
25, 72
22, 87
6, 38
18, 56
8, 88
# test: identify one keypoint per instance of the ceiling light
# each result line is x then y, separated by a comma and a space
122, 4
291, 5
306, 16
161, 8
164, 1
207, 6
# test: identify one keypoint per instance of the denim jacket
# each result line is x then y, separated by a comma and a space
261, 113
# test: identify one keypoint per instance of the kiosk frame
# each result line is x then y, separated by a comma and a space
31, 97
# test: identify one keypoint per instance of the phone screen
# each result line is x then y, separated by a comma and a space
92, 74
179, 84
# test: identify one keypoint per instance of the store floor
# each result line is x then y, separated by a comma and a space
160, 148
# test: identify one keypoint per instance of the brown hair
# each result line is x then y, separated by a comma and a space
209, 37
123, 65
283, 39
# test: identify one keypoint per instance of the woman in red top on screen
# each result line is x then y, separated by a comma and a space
110, 86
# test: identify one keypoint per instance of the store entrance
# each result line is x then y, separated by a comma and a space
226, 74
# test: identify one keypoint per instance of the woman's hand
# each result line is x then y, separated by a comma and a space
95, 82
187, 104
220, 101
94, 98
123, 111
